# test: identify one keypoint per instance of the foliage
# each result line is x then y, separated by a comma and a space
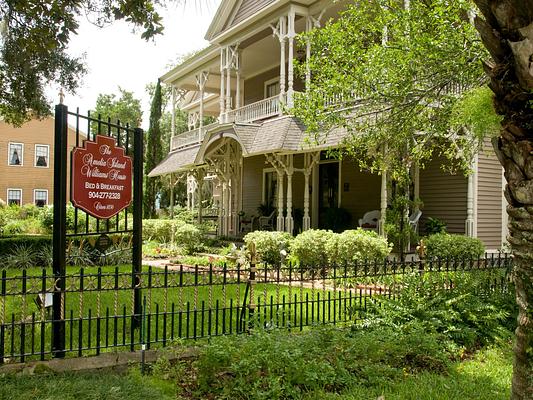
356, 245
189, 237
403, 64
271, 247
126, 109
265, 209
279, 365
435, 225
397, 226
153, 153
475, 111
162, 230
154, 249
21, 256
46, 216
445, 245
34, 38
310, 247
33, 242
467, 314
337, 219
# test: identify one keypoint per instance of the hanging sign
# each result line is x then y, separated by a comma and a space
101, 178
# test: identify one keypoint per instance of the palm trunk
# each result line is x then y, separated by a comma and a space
507, 32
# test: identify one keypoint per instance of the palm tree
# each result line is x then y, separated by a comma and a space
506, 30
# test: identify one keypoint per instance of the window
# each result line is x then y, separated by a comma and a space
14, 196
270, 188
42, 155
15, 154
272, 88
40, 197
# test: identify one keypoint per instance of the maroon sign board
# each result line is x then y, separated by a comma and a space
101, 177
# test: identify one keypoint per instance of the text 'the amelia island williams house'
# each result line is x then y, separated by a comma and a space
258, 154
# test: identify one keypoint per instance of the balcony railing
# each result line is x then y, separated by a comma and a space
255, 111
190, 137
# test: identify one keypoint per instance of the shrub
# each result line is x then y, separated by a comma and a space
161, 230
46, 216
34, 242
14, 227
435, 225
356, 245
22, 256
457, 306
310, 247
189, 237
269, 245
444, 245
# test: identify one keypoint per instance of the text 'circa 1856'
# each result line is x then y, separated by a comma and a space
101, 177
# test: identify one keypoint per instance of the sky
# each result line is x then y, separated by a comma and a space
115, 56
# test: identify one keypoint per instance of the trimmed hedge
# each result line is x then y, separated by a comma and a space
445, 245
36, 243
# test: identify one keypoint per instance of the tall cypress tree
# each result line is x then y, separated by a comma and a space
153, 154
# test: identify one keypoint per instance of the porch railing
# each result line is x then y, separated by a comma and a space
255, 111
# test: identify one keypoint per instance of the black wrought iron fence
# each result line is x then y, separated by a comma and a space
193, 302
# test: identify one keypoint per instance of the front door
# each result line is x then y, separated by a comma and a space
328, 191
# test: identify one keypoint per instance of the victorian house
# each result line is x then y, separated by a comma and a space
257, 153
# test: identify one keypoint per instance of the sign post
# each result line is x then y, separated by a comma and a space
59, 240
106, 179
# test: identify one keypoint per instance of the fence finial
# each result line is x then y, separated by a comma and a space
61, 96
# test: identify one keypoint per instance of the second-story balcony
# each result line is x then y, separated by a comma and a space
255, 111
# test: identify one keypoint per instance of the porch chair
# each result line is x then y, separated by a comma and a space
413, 220
267, 222
370, 220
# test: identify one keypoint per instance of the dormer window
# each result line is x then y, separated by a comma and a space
15, 154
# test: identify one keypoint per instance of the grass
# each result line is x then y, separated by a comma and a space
85, 386
487, 376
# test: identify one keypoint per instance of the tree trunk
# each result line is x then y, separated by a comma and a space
507, 32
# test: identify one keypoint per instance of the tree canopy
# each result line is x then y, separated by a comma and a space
34, 36
125, 108
391, 74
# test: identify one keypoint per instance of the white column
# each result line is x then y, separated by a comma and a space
383, 202
171, 201
222, 101
306, 220
469, 222
173, 118
238, 83
314, 203
280, 219
282, 37
228, 81
308, 26
289, 221
290, 35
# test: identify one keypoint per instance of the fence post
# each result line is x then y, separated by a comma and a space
59, 235
137, 222
251, 282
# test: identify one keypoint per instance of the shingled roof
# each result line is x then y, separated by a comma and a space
283, 134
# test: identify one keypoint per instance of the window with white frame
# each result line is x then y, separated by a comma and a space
14, 197
42, 155
272, 88
15, 154
40, 197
